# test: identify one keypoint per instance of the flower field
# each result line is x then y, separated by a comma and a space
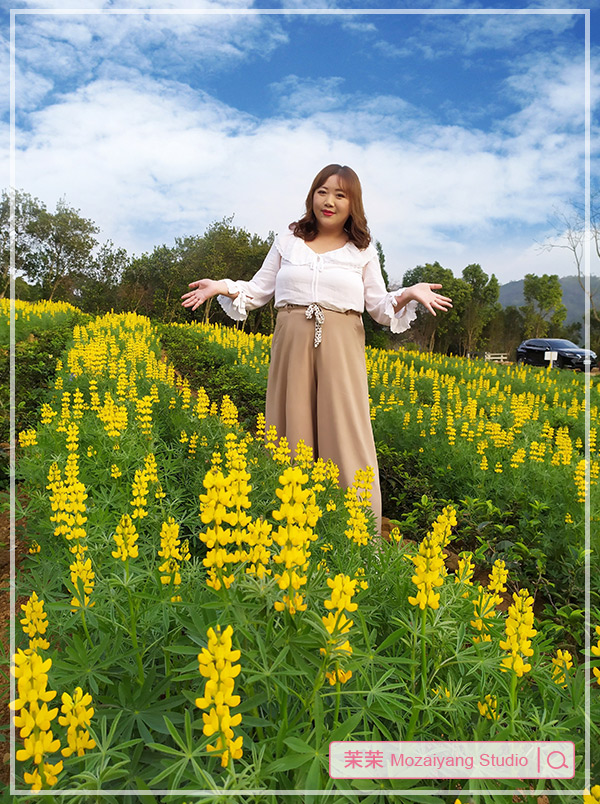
504, 444
206, 611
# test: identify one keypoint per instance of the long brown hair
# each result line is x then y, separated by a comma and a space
356, 226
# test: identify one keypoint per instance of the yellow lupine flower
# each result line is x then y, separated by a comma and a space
77, 716
519, 632
125, 538
300, 514
337, 625
215, 663
36, 619
562, 663
489, 707
28, 438
50, 775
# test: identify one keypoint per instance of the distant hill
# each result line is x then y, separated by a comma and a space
573, 296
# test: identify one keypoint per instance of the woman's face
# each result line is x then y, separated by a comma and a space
331, 204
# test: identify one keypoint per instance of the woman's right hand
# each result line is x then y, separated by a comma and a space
204, 289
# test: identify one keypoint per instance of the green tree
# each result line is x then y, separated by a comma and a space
98, 290
441, 331
504, 332
26, 211
481, 305
154, 283
151, 284
62, 246
543, 309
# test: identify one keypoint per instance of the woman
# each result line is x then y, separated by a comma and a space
323, 273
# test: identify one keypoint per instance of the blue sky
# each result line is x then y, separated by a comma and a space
467, 130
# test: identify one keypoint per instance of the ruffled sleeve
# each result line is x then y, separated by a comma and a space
379, 303
255, 293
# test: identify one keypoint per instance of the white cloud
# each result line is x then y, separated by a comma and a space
150, 160
78, 47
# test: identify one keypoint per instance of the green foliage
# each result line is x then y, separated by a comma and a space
415, 674
208, 365
63, 245
154, 283
480, 307
543, 304
36, 352
439, 332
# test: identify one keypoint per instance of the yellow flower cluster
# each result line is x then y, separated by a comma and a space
139, 492
77, 716
35, 623
34, 718
125, 537
358, 503
484, 605
465, 570
562, 663
298, 514
173, 553
202, 405
216, 664
337, 625
592, 797
67, 501
225, 503
596, 652
519, 633
282, 452
489, 707
429, 562
260, 427
143, 410
113, 416
28, 438
229, 412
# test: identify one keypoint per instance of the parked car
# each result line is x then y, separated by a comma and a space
569, 355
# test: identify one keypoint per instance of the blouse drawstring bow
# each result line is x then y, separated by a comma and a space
317, 312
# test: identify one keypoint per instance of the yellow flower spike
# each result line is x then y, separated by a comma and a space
28, 438
593, 796
337, 625
139, 491
215, 663
77, 716
36, 620
125, 538
519, 632
298, 514
430, 569
489, 707
562, 663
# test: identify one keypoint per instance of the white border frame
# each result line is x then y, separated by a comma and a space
586, 262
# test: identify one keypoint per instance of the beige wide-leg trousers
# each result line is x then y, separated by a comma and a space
320, 394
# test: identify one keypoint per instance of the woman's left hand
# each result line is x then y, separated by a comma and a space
425, 294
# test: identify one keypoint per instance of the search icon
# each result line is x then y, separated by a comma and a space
563, 764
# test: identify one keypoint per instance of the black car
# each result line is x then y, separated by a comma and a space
568, 354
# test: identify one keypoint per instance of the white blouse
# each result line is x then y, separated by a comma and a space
340, 280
